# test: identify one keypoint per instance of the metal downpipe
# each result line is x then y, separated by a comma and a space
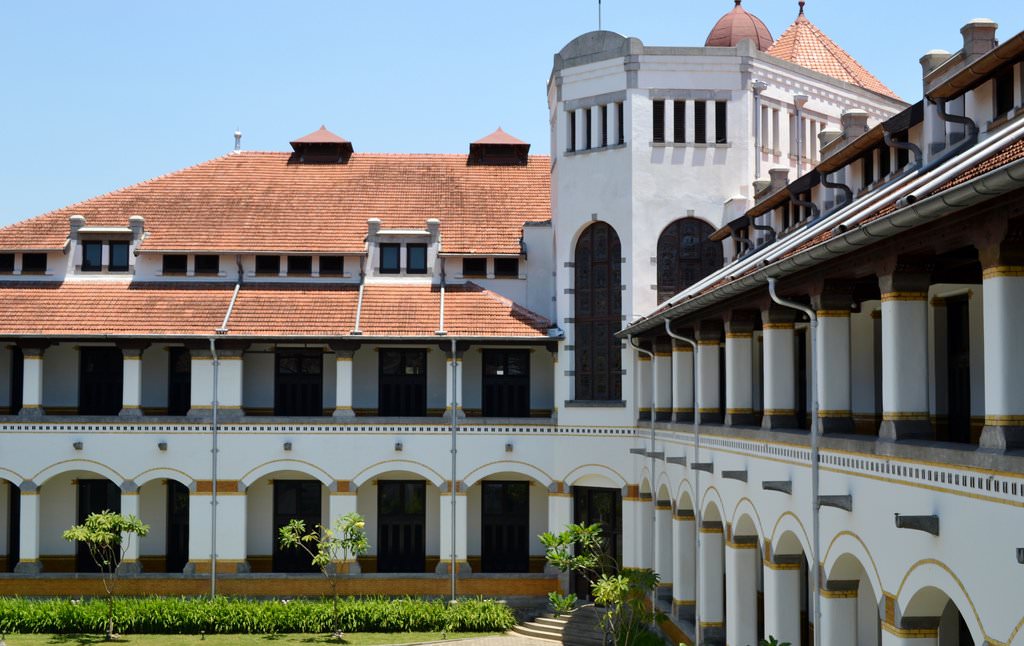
453, 566
816, 529
654, 415
213, 487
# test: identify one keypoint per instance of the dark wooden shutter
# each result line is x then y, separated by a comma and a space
721, 136
604, 125
598, 304
700, 122
679, 121
621, 116
572, 130
659, 122
685, 255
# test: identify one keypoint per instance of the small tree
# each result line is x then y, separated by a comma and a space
107, 535
580, 549
326, 547
771, 641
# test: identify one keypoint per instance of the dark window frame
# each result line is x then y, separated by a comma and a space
206, 271
169, 259
604, 126
700, 122
87, 264
385, 250
472, 273
263, 263
327, 265
29, 265
418, 267
685, 255
1003, 93
503, 268
658, 121
298, 392
117, 247
6, 263
588, 124
721, 122
300, 265
597, 297
402, 393
620, 115
572, 131
868, 169
679, 122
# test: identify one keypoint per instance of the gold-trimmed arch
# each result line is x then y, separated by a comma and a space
957, 592
7, 474
517, 466
165, 473
847, 542
384, 466
302, 466
593, 469
790, 522
77, 464
685, 489
754, 515
715, 499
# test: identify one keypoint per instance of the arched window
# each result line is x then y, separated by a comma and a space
598, 299
685, 255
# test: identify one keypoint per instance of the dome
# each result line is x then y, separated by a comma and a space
739, 24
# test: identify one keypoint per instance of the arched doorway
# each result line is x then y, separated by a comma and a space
685, 255
598, 314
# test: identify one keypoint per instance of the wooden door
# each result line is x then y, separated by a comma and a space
401, 525
295, 499
403, 383
179, 381
176, 550
94, 496
506, 383
299, 383
505, 526
100, 381
602, 506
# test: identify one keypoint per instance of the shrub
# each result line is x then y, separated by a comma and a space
179, 615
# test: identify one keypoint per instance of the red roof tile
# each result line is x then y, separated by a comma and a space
258, 202
501, 137
101, 308
737, 25
321, 136
806, 45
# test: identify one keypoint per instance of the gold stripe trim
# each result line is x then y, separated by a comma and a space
739, 411
1004, 420
904, 296
771, 565
683, 348
741, 546
777, 326
708, 410
712, 624
713, 342
835, 412
1003, 271
913, 633
739, 335
712, 530
838, 594
895, 416
682, 410
780, 411
833, 314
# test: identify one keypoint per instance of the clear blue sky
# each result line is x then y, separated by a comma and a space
102, 94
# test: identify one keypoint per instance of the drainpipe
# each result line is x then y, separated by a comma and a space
654, 415
696, 474
970, 128
799, 100
359, 300
757, 87
816, 529
454, 486
847, 191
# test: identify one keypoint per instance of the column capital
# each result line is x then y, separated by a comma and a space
1000, 243
344, 349
777, 317
741, 322
710, 330
833, 296
32, 348
904, 275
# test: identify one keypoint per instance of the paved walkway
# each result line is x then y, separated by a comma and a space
499, 640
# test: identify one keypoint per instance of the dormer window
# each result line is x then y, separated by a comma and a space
474, 267
300, 265
33, 263
416, 258
390, 258
6, 263
1003, 93
208, 265
92, 256
118, 256
174, 263
332, 265
506, 267
268, 265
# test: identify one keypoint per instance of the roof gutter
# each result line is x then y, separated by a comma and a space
992, 184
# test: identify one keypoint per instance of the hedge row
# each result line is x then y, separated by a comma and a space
177, 615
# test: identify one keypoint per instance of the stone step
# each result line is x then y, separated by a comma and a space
555, 622
528, 630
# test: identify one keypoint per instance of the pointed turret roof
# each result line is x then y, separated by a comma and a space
500, 137
806, 45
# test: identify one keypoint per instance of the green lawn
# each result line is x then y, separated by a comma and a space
233, 640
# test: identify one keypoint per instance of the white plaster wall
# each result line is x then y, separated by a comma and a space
60, 375
258, 378
58, 511
862, 359
155, 361
153, 512
259, 514
365, 389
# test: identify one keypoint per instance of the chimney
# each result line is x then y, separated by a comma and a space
979, 37
932, 60
779, 178
77, 222
372, 227
137, 224
854, 123
434, 227
825, 137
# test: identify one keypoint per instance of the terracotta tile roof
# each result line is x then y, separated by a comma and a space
117, 309
321, 136
101, 308
806, 45
737, 25
499, 136
257, 201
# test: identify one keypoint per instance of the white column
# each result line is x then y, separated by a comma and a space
782, 601
131, 387
739, 389
708, 373
632, 530
340, 503
28, 537
232, 513
684, 556
453, 365
893, 636
779, 375
905, 358
741, 564
1003, 310
130, 507
682, 382
445, 519
559, 518
343, 381
643, 386
229, 387
32, 382
838, 617
561, 382
832, 305
663, 396
709, 600
201, 389
581, 129
663, 546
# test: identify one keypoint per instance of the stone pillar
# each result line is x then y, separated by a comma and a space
915, 631
682, 382
839, 613
709, 595
229, 388
445, 518
1003, 307
201, 387
779, 374
709, 338
832, 305
130, 507
644, 377
632, 527
663, 555
343, 381
559, 518
131, 388
453, 366
739, 365
561, 382
741, 564
905, 412
782, 599
684, 557
32, 380
663, 370
231, 528
342, 502
28, 538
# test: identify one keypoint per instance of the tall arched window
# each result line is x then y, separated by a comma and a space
598, 298
685, 255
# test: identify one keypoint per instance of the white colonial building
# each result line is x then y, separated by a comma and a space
755, 315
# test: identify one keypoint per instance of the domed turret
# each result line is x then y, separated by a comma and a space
737, 25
